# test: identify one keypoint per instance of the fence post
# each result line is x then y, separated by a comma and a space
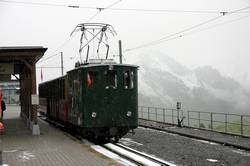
182, 117
226, 123
241, 125
148, 113
142, 112
155, 113
211, 120
172, 116
138, 111
188, 118
199, 119
164, 120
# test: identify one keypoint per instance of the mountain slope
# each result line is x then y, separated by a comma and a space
163, 82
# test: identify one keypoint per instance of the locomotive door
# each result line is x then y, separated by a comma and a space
111, 97
75, 98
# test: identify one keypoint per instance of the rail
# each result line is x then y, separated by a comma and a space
220, 122
134, 156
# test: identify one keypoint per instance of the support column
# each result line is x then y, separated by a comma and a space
24, 94
35, 126
33, 92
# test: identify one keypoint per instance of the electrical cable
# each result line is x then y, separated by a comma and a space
46, 4
49, 57
101, 9
163, 39
91, 18
118, 9
172, 11
216, 25
171, 35
47, 67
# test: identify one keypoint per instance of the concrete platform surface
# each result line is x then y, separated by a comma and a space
52, 148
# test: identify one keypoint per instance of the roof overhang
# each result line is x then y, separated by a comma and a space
14, 54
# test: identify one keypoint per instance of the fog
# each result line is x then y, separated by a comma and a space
222, 43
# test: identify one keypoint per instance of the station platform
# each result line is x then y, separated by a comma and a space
18, 147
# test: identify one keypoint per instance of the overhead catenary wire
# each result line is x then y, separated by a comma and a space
74, 6
165, 38
173, 11
194, 32
216, 25
101, 9
46, 4
173, 34
47, 67
49, 57
55, 51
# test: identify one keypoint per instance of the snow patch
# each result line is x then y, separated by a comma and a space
206, 142
190, 81
128, 142
25, 156
244, 153
10, 151
212, 160
159, 131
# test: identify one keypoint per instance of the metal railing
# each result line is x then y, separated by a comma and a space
165, 115
219, 122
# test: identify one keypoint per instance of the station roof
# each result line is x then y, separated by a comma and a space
10, 54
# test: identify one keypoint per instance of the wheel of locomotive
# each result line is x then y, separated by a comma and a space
116, 139
99, 140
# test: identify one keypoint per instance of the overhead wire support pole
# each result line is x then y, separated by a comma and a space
62, 63
120, 51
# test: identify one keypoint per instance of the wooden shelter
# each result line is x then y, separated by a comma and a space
21, 63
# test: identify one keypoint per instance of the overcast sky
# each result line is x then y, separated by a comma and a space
223, 43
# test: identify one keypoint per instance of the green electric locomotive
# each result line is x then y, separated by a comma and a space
99, 99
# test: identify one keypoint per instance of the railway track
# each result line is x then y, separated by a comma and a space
136, 157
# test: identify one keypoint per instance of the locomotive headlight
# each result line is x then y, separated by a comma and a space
129, 113
93, 114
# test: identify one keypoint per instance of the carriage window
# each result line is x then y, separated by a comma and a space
128, 80
110, 79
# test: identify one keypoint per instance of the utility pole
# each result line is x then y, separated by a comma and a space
62, 62
178, 107
120, 51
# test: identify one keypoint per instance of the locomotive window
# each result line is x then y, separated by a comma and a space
128, 80
90, 79
110, 79
132, 80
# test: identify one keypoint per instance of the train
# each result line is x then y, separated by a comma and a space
99, 99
